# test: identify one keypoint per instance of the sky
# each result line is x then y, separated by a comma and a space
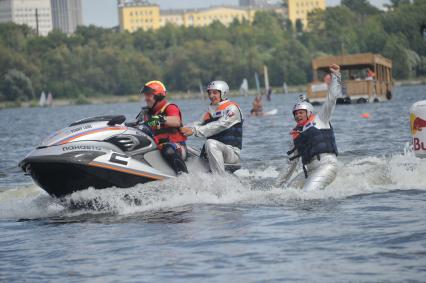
104, 12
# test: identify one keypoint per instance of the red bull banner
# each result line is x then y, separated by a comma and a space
418, 127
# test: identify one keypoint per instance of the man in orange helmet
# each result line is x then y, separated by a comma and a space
165, 119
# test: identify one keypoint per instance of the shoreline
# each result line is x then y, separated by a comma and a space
111, 99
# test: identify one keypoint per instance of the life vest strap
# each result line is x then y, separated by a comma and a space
291, 151
163, 109
294, 157
166, 131
305, 171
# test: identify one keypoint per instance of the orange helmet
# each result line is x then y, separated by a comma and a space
156, 88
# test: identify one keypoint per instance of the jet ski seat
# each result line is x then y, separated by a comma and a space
112, 120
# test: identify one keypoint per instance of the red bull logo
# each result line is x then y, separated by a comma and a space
418, 127
418, 144
417, 124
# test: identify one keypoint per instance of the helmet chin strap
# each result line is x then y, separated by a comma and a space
157, 100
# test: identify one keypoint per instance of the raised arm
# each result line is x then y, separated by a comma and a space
335, 91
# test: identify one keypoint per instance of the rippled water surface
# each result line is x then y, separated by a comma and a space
368, 226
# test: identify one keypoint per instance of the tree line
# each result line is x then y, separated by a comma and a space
97, 61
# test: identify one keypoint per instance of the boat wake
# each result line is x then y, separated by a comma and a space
357, 177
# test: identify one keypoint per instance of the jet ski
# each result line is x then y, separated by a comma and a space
100, 152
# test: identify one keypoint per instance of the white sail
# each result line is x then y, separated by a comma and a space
49, 100
244, 87
256, 78
266, 77
202, 91
285, 88
42, 101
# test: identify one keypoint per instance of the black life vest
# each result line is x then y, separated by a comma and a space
312, 142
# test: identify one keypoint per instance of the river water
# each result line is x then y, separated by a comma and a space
368, 226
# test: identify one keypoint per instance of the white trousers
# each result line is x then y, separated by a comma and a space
218, 154
321, 173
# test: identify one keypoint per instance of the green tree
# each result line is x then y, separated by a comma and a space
406, 21
14, 36
362, 7
395, 49
396, 3
15, 85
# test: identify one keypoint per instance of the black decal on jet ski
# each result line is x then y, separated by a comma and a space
81, 147
85, 127
118, 161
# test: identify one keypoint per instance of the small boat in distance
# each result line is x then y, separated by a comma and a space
365, 78
42, 101
285, 88
49, 100
244, 89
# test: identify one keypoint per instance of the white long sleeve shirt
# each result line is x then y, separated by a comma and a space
228, 117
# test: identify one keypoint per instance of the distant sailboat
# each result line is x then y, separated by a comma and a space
49, 100
266, 77
256, 78
285, 88
244, 87
268, 90
42, 101
202, 91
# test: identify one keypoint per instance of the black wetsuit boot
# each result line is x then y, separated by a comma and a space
174, 159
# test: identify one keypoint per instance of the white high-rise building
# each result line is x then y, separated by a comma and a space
36, 14
66, 15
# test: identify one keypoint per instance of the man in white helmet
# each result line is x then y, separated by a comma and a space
222, 126
313, 140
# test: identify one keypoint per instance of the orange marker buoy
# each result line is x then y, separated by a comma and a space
365, 115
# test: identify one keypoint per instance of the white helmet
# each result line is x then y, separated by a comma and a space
304, 105
220, 86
